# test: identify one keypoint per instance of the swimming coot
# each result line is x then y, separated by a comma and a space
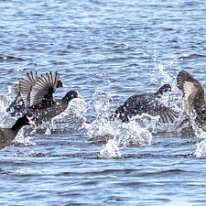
59, 106
7, 135
147, 103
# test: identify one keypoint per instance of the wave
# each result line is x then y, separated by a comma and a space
191, 56
9, 58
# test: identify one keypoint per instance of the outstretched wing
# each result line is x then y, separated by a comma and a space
17, 90
193, 92
145, 104
43, 88
25, 87
166, 114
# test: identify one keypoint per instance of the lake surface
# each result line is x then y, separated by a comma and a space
107, 50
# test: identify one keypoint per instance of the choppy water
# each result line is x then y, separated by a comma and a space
107, 50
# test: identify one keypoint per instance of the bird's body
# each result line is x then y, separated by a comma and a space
147, 103
59, 106
7, 135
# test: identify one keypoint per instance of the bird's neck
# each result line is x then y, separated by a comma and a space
158, 94
67, 99
17, 126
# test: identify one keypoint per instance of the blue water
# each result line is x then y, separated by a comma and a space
107, 50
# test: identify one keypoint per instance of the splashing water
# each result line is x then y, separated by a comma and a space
110, 150
199, 132
101, 129
115, 133
5, 119
102, 103
158, 73
200, 151
9, 90
75, 108
131, 134
23, 139
166, 77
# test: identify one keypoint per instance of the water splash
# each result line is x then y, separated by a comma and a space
76, 108
200, 151
164, 74
23, 139
131, 134
110, 150
159, 72
115, 133
101, 102
5, 119
101, 129
199, 132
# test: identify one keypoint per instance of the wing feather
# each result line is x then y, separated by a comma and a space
139, 104
25, 86
25, 89
166, 114
44, 88
193, 92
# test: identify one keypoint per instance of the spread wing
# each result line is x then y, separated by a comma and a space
140, 104
193, 92
17, 90
25, 87
166, 114
43, 88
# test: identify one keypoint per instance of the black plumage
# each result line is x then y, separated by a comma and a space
7, 135
193, 95
59, 106
36, 94
147, 103
35, 91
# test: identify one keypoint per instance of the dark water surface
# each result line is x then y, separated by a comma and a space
107, 50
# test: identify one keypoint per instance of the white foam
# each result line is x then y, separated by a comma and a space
110, 150
200, 151
5, 119
131, 134
75, 108
23, 139
199, 133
